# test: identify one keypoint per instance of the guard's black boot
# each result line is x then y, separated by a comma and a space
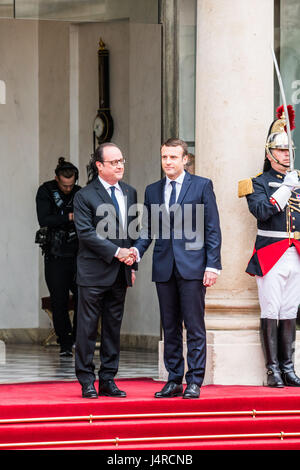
269, 341
286, 350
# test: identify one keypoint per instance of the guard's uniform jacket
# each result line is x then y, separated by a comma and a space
277, 229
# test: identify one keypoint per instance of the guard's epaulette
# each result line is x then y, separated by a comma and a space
245, 187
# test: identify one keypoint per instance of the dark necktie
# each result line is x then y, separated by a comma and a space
115, 201
172, 201
173, 194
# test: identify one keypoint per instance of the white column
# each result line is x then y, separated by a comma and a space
234, 109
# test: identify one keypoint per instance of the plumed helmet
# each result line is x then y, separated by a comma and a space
278, 140
277, 135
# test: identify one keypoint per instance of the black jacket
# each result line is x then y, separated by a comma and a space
53, 208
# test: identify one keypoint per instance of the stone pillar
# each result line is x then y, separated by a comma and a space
234, 108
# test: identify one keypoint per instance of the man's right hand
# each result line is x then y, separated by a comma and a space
127, 256
123, 254
132, 257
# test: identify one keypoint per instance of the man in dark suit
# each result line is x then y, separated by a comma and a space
184, 263
101, 219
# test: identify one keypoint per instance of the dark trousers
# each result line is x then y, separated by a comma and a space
60, 276
93, 302
182, 300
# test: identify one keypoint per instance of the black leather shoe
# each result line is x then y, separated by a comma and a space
291, 379
170, 390
192, 391
66, 353
89, 391
110, 389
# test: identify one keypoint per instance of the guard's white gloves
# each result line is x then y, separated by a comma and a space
291, 179
283, 193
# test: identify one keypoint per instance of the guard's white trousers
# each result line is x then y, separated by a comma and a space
279, 289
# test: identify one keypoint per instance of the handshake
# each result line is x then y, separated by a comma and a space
127, 256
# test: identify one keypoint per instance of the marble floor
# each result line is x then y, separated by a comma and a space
34, 363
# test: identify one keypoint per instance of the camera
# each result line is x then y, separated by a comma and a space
42, 237
52, 240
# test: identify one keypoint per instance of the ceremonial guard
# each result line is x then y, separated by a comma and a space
273, 198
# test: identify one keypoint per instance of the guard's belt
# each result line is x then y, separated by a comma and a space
277, 234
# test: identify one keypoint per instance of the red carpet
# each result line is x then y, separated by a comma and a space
222, 423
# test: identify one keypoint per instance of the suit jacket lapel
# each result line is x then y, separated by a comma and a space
162, 190
185, 186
